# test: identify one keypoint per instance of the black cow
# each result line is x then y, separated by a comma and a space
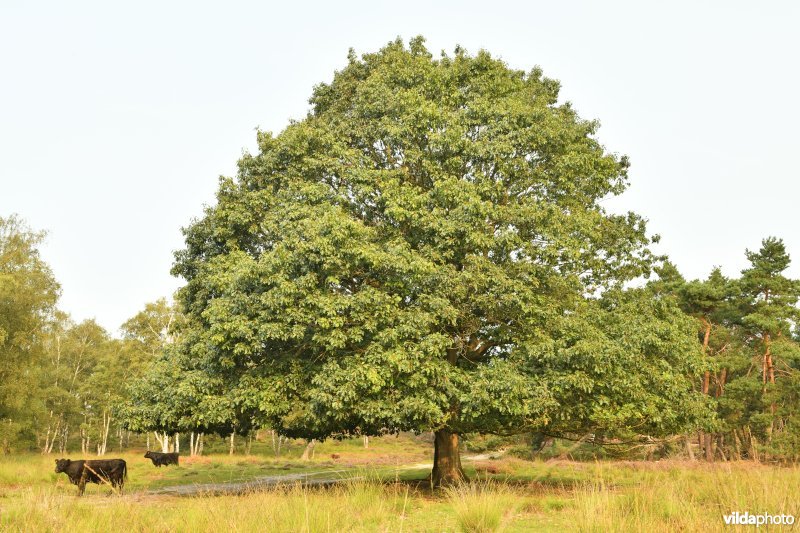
111, 471
162, 459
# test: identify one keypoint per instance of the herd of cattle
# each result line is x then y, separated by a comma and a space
112, 472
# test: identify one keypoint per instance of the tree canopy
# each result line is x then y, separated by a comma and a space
427, 250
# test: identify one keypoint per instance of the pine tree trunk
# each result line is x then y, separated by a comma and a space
705, 440
721, 447
737, 446
708, 446
447, 468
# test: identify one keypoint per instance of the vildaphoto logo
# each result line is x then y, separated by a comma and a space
747, 519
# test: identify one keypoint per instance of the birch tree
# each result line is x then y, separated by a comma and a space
28, 294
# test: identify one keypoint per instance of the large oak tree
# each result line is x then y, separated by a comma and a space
427, 250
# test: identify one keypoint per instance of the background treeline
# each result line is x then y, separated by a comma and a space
74, 387
62, 382
69, 387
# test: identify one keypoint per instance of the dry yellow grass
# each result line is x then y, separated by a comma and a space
523, 496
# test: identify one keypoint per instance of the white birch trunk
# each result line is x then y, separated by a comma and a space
163, 441
102, 446
308, 453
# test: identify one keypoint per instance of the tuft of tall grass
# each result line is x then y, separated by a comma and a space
689, 499
353, 505
481, 506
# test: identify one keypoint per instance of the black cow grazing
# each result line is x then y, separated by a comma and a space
111, 471
162, 459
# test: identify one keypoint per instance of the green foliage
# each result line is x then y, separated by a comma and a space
747, 328
769, 299
416, 254
61, 382
28, 294
172, 398
164, 394
80, 381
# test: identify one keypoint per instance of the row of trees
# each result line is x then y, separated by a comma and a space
67, 386
63, 383
748, 336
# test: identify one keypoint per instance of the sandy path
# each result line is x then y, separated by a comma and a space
259, 483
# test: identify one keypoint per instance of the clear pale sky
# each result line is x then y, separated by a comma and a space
116, 120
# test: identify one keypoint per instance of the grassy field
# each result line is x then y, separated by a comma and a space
506, 494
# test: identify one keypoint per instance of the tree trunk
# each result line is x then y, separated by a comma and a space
308, 453
366, 441
737, 447
200, 445
191, 443
704, 439
233, 434
721, 447
62, 439
84, 441
447, 468
177, 442
50, 438
754, 448
708, 446
102, 446
276, 442
769, 373
163, 441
